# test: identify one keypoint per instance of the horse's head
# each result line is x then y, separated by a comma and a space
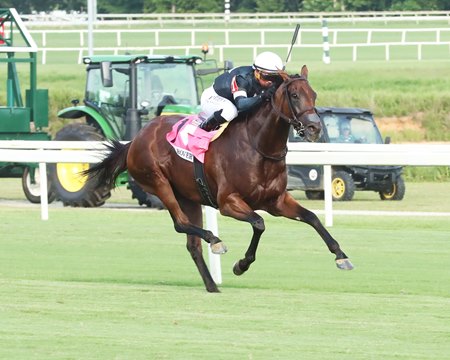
294, 102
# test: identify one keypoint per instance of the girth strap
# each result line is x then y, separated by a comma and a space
200, 179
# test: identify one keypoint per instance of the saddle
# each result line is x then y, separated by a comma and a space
191, 143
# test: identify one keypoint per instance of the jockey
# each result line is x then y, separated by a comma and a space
241, 89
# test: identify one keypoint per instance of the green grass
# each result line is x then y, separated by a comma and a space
109, 283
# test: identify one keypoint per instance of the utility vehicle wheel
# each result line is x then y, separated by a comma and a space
314, 195
31, 186
342, 186
397, 191
144, 198
72, 188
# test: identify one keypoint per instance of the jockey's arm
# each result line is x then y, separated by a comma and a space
244, 103
239, 87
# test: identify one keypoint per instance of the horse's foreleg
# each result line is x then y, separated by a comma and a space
289, 207
235, 207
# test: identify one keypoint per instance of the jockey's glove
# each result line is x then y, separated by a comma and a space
268, 93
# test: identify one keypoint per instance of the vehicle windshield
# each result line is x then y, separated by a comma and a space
111, 101
175, 81
154, 82
344, 128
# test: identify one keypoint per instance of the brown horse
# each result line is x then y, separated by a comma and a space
245, 170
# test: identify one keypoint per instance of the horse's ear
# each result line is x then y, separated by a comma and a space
304, 71
283, 74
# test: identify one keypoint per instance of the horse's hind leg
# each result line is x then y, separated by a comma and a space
181, 221
194, 245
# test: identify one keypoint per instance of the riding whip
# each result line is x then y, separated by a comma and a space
294, 39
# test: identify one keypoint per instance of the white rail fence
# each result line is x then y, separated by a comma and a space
61, 18
44, 152
374, 38
196, 36
187, 50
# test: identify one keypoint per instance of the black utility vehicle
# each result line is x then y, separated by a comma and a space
347, 125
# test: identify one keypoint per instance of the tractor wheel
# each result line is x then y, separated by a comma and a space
72, 188
31, 186
144, 198
314, 195
342, 186
396, 192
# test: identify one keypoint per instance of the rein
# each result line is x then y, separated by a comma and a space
294, 120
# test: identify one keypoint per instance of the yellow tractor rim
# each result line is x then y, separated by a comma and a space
390, 194
69, 175
338, 187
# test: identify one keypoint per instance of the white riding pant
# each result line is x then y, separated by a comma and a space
211, 102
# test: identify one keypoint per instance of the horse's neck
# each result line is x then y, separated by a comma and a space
267, 131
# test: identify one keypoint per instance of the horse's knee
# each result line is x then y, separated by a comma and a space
179, 228
257, 222
310, 218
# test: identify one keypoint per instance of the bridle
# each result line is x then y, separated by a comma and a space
295, 121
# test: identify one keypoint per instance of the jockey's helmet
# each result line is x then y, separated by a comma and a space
268, 62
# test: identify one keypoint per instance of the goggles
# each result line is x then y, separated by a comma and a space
269, 76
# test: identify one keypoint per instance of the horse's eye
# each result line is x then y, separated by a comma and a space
294, 95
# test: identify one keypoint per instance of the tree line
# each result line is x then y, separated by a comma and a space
217, 6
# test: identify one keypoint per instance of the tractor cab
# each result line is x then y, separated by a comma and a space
123, 92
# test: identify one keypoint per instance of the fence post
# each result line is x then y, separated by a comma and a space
326, 44
44, 190
328, 197
214, 259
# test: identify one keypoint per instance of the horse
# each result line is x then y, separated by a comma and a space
245, 170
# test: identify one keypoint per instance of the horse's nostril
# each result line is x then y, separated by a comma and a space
314, 128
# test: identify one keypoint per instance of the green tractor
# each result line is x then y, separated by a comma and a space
21, 119
123, 93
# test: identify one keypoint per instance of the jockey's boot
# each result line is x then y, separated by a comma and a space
213, 122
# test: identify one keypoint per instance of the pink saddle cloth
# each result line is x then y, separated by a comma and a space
189, 140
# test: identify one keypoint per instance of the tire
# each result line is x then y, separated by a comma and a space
342, 186
397, 191
32, 190
314, 195
144, 198
70, 187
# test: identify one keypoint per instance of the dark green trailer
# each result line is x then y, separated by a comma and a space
23, 115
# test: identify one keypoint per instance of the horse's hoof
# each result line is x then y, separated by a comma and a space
344, 264
219, 248
236, 269
212, 289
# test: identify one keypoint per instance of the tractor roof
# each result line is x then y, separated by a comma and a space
142, 58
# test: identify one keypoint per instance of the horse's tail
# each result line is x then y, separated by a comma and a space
112, 165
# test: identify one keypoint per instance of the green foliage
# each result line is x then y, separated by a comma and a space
120, 6
318, 5
183, 6
269, 6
